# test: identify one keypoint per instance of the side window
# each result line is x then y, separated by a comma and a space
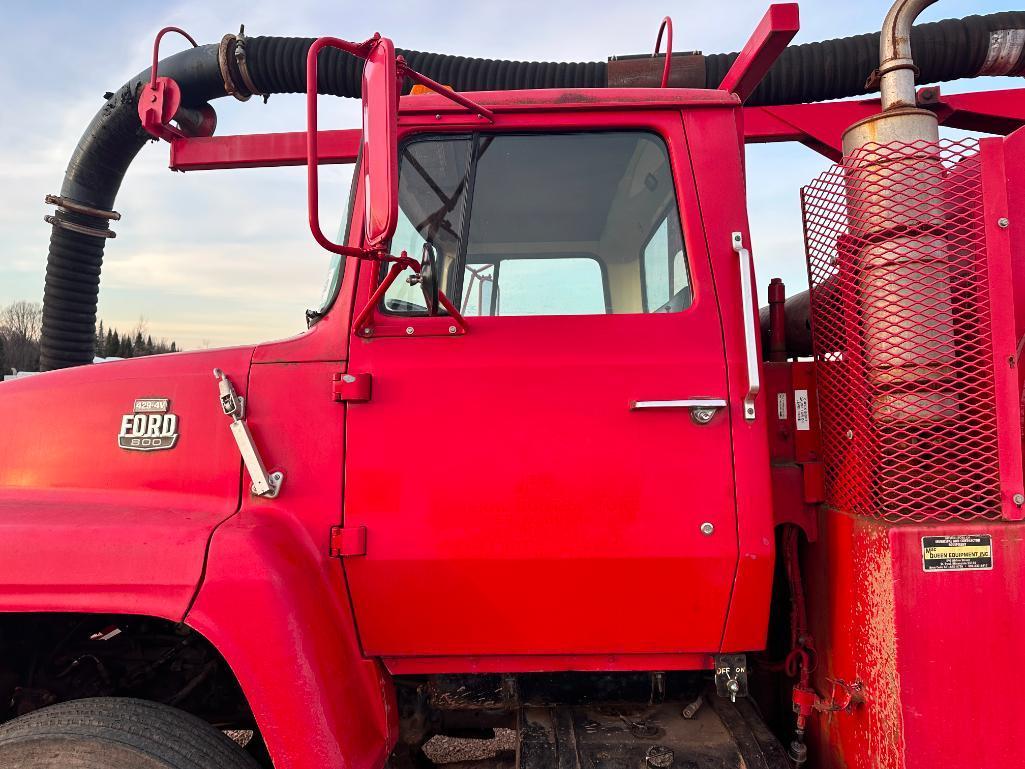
433, 180
666, 282
552, 286
543, 224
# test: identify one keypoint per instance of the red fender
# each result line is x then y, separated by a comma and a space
275, 606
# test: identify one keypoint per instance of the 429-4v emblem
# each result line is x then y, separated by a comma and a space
150, 426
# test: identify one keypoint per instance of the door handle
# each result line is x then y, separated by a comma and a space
701, 409
750, 331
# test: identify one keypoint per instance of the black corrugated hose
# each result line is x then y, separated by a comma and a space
946, 50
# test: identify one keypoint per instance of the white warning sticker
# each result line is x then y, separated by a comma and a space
801, 417
781, 406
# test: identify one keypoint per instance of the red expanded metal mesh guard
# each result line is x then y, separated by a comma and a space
903, 335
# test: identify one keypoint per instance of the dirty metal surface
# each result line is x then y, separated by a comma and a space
718, 736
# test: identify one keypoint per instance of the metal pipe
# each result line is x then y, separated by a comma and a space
897, 69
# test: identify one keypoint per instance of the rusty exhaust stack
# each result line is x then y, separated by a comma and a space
900, 120
894, 199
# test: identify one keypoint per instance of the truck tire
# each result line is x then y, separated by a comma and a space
116, 733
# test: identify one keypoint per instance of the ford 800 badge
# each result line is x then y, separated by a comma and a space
150, 426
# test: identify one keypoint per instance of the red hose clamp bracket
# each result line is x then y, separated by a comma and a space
160, 99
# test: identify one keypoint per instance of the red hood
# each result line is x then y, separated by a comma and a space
59, 430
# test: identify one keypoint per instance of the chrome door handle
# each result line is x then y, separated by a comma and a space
701, 409
750, 330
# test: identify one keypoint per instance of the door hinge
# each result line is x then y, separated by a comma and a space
347, 541
350, 388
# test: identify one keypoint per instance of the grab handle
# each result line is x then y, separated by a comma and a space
750, 329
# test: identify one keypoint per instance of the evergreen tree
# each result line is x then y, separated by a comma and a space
99, 348
114, 345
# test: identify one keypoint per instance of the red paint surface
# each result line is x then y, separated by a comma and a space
930, 647
557, 488
87, 526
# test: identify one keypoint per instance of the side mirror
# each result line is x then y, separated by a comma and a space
428, 278
380, 144
379, 147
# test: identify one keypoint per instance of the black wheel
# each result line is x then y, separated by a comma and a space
115, 733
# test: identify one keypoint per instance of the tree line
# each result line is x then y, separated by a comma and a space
21, 324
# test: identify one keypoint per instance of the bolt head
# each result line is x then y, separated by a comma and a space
707, 529
1019, 499
452, 329
409, 329
1003, 222
368, 331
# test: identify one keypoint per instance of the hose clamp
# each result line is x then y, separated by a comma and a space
876, 75
67, 205
225, 51
243, 66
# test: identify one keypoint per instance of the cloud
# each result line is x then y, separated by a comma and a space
226, 257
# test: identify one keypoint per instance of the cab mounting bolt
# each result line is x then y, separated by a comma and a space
409, 330
707, 529
1019, 499
452, 329
1003, 222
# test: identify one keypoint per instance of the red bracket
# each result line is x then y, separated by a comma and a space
158, 102
348, 541
667, 27
776, 29
351, 388
161, 97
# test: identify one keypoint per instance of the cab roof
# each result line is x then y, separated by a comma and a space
548, 99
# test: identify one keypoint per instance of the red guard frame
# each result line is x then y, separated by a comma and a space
776, 29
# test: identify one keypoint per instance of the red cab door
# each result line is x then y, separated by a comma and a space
558, 480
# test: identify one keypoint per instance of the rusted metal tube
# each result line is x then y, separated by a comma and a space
896, 67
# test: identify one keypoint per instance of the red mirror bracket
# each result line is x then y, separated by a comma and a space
361, 50
448, 93
398, 265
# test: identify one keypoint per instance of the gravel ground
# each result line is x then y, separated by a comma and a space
449, 750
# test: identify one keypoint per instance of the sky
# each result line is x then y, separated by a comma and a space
225, 257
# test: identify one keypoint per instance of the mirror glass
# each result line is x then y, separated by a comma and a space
429, 278
380, 152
